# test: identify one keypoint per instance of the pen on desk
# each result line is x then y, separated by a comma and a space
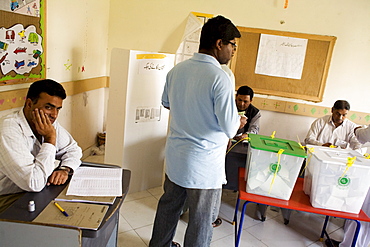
61, 209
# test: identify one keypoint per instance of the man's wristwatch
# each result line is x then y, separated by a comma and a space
67, 169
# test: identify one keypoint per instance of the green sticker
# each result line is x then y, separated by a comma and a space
344, 181
274, 166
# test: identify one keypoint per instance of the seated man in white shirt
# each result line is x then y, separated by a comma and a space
363, 239
334, 129
31, 141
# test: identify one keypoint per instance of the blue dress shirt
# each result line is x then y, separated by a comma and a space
203, 117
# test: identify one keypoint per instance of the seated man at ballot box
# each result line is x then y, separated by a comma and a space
363, 239
335, 129
32, 140
243, 100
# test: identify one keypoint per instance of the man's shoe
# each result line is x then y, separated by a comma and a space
331, 243
175, 244
217, 222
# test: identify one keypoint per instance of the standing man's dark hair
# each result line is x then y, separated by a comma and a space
217, 28
48, 86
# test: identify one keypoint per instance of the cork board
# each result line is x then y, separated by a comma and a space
22, 41
309, 87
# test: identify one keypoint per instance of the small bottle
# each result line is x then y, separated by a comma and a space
31, 206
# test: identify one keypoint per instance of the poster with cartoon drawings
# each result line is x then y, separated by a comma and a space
21, 41
24, 7
20, 49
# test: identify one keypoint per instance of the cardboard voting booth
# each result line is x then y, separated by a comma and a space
336, 179
273, 166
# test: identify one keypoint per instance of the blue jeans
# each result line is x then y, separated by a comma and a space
204, 205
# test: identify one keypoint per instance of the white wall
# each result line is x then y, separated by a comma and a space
159, 25
77, 34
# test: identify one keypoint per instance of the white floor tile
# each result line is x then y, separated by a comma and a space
145, 233
137, 195
123, 226
139, 213
157, 191
247, 240
130, 239
222, 231
274, 233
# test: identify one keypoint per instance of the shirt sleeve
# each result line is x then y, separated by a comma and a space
353, 141
17, 162
363, 134
68, 152
314, 132
254, 125
225, 108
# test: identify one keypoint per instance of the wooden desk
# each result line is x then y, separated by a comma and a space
105, 235
298, 201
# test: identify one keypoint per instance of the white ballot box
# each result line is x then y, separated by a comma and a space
273, 166
335, 180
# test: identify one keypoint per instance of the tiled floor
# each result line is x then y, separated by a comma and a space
138, 211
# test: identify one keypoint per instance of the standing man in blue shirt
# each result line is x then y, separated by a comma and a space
200, 97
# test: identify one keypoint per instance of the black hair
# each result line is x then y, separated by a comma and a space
216, 28
341, 104
245, 90
48, 86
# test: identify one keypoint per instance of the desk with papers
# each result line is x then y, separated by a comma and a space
18, 226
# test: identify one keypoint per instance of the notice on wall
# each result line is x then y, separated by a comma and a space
281, 56
148, 114
190, 40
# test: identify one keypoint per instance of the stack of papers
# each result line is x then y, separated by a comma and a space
89, 199
89, 181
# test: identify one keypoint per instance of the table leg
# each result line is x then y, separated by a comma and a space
323, 232
235, 223
236, 211
355, 236
241, 224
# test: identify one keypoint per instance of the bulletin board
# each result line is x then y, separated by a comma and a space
315, 65
22, 41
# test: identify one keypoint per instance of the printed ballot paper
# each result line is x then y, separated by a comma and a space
90, 181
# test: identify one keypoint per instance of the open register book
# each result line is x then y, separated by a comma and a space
95, 185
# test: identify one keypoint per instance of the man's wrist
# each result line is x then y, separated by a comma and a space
67, 169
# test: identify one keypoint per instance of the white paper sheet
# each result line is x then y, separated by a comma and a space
281, 56
89, 181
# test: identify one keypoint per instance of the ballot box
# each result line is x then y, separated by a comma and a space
272, 166
336, 179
